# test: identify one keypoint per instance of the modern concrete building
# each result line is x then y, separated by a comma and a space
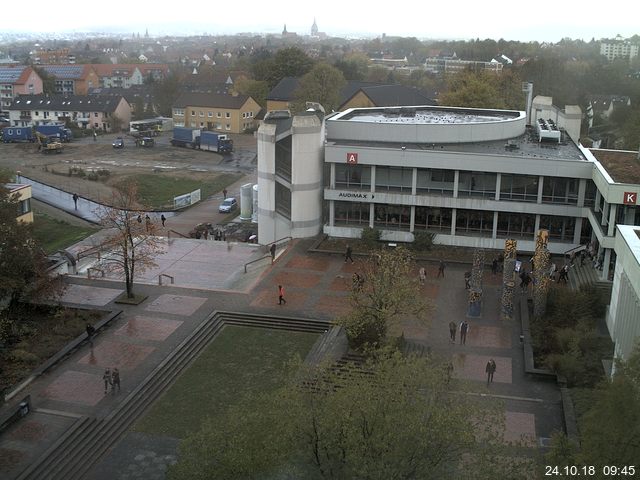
569, 118
623, 317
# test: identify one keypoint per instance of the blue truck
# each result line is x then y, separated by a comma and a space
201, 140
17, 134
55, 130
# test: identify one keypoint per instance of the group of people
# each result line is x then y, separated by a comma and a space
111, 380
453, 329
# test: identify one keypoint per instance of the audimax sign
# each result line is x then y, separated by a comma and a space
364, 196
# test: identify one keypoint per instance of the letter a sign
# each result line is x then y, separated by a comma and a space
630, 198
352, 158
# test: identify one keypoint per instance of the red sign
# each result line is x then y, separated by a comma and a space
630, 198
352, 158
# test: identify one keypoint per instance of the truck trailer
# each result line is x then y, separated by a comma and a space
185, 137
201, 140
55, 130
17, 134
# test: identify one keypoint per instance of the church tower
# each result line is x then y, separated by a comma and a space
314, 28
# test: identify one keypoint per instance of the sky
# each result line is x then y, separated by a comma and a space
460, 19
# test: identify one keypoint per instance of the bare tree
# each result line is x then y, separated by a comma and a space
131, 245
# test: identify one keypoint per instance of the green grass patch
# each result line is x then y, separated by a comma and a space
53, 235
241, 360
158, 190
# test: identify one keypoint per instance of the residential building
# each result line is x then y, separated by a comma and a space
16, 81
128, 75
100, 112
444, 65
73, 79
618, 48
216, 112
53, 56
24, 214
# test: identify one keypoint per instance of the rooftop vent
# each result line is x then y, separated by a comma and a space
277, 115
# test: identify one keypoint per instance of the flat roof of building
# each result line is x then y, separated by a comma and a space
622, 165
426, 115
526, 146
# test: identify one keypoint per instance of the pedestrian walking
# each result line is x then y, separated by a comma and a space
452, 331
107, 380
441, 267
95, 136
422, 275
490, 369
75, 200
347, 254
90, 333
281, 299
464, 329
139, 219
224, 193
494, 266
147, 222
163, 219
467, 280
272, 251
115, 380
552, 272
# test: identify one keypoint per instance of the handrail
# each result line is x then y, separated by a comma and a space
177, 233
254, 261
165, 275
88, 252
275, 242
96, 269
577, 249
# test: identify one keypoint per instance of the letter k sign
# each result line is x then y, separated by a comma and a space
630, 198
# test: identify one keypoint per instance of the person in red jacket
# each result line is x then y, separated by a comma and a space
281, 299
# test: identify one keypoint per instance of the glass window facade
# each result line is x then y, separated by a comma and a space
474, 222
516, 225
433, 218
283, 201
394, 179
590, 194
519, 188
560, 228
392, 217
435, 181
560, 190
477, 184
283, 158
353, 177
351, 213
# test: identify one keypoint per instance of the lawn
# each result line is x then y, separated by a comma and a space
159, 189
241, 360
53, 235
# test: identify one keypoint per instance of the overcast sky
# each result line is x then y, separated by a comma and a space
509, 19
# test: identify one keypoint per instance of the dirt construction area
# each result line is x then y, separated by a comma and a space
91, 168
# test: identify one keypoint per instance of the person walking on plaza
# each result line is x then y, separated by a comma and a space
441, 267
107, 380
494, 266
422, 275
147, 222
281, 299
75, 200
115, 379
224, 193
347, 254
464, 329
163, 219
452, 331
272, 251
90, 333
490, 369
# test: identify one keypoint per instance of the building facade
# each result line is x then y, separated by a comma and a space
72, 79
24, 214
618, 48
16, 81
216, 112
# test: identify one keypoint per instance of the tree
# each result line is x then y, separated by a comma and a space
48, 81
389, 291
287, 62
323, 85
392, 418
131, 245
256, 89
483, 90
23, 264
354, 66
165, 93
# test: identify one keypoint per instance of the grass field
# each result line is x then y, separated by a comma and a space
239, 361
158, 190
54, 235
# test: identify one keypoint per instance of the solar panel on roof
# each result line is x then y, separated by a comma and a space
8, 75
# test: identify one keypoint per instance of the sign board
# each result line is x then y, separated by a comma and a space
630, 198
352, 158
187, 199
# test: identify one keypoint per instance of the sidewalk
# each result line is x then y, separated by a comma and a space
316, 286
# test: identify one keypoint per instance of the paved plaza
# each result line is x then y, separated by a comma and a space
316, 286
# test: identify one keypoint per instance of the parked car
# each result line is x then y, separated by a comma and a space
229, 205
118, 143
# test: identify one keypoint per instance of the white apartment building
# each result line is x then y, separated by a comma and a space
618, 48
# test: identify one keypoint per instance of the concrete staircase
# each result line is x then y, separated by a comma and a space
586, 275
89, 438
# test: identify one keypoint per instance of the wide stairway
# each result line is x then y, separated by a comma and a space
586, 275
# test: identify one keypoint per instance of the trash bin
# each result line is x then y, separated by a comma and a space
24, 409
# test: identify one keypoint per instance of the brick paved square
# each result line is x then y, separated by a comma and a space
89, 295
309, 263
28, 431
268, 297
299, 279
334, 305
486, 336
76, 387
109, 354
9, 458
341, 283
471, 366
176, 304
489, 278
431, 290
148, 328
520, 427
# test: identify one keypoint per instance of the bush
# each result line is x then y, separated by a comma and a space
370, 237
363, 331
25, 357
423, 241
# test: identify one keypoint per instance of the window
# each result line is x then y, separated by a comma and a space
434, 219
283, 158
218, 115
95, 114
244, 115
201, 124
516, 225
24, 206
228, 126
351, 213
519, 188
477, 184
227, 115
560, 228
396, 179
201, 113
435, 181
209, 114
36, 113
474, 222
193, 113
218, 126
178, 112
560, 190
353, 176
283, 200
392, 217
